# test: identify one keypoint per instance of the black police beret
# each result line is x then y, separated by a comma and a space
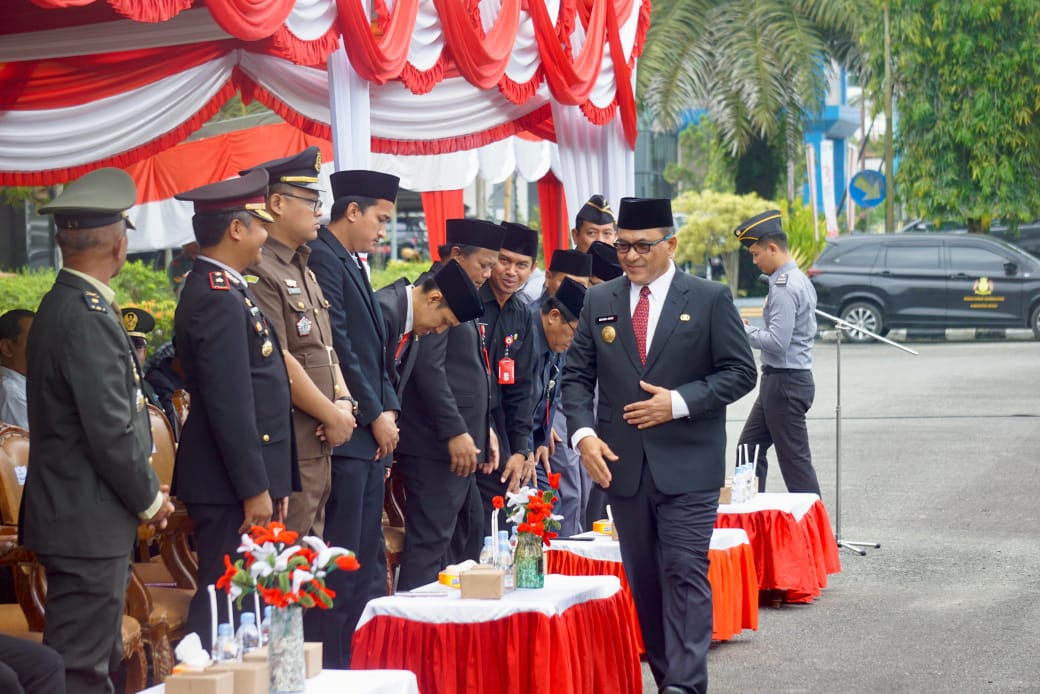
247, 193
364, 184
475, 232
572, 296
97, 199
571, 262
459, 291
645, 213
605, 263
759, 227
300, 170
596, 211
138, 322
520, 239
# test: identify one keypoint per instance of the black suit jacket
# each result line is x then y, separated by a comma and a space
393, 303
357, 335
699, 349
510, 403
88, 474
238, 439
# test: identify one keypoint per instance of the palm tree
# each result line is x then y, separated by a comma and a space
757, 67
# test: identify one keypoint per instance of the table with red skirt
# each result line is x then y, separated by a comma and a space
792, 541
731, 572
574, 636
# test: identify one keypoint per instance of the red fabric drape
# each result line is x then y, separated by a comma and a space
553, 210
791, 556
570, 79
440, 206
250, 20
589, 649
380, 59
481, 59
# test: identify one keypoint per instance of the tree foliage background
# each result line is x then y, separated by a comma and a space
967, 81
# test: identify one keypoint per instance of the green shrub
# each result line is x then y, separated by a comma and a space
398, 268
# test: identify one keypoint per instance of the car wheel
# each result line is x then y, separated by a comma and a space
862, 315
1034, 322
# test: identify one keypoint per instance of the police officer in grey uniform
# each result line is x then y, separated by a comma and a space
786, 391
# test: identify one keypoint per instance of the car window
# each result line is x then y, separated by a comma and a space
857, 256
912, 257
976, 260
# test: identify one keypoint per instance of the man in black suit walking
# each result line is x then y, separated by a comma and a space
89, 481
363, 204
670, 354
236, 461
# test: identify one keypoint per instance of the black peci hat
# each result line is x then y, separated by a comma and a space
645, 213
364, 184
246, 192
571, 262
572, 296
474, 232
97, 199
459, 291
605, 263
520, 239
300, 170
596, 211
760, 227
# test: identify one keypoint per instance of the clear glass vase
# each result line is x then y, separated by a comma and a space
285, 656
527, 561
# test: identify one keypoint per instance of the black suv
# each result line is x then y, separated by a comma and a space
913, 280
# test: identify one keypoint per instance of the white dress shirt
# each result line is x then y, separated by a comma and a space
13, 409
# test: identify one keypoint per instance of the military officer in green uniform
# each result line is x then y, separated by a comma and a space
236, 460
289, 295
89, 482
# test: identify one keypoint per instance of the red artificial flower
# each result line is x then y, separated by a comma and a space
554, 480
547, 536
347, 562
224, 582
498, 502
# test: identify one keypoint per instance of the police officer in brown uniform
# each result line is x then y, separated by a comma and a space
296, 309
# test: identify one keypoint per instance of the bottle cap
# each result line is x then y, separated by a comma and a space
267, 610
248, 618
487, 540
224, 629
503, 534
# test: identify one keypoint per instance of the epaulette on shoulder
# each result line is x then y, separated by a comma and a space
251, 279
219, 280
781, 280
95, 302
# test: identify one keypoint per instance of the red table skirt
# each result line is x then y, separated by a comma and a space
791, 556
589, 649
731, 572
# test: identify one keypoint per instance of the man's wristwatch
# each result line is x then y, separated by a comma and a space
353, 404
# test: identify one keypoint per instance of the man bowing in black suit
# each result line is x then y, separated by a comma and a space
363, 204
669, 353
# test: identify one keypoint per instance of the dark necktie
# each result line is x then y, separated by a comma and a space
639, 321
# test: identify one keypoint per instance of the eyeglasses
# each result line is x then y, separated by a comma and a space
642, 247
314, 202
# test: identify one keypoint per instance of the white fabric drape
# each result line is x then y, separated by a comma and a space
592, 159
351, 113
310, 19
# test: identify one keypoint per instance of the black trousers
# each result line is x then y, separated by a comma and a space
354, 521
434, 498
664, 548
216, 535
30, 668
84, 618
778, 419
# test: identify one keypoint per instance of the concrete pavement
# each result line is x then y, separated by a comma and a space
940, 465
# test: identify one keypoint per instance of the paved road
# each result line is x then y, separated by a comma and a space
940, 465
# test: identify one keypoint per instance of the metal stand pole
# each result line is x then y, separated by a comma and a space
839, 324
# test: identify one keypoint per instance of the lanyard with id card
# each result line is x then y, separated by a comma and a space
506, 372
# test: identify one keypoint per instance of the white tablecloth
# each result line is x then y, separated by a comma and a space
438, 604
350, 681
600, 547
795, 504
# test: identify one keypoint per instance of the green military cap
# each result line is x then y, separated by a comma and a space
98, 199
300, 170
138, 322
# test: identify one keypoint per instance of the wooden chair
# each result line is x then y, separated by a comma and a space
181, 404
26, 619
393, 527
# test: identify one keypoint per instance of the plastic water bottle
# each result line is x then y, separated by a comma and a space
248, 637
227, 648
504, 558
487, 554
265, 626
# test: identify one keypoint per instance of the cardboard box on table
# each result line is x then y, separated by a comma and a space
311, 655
206, 682
483, 582
251, 676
